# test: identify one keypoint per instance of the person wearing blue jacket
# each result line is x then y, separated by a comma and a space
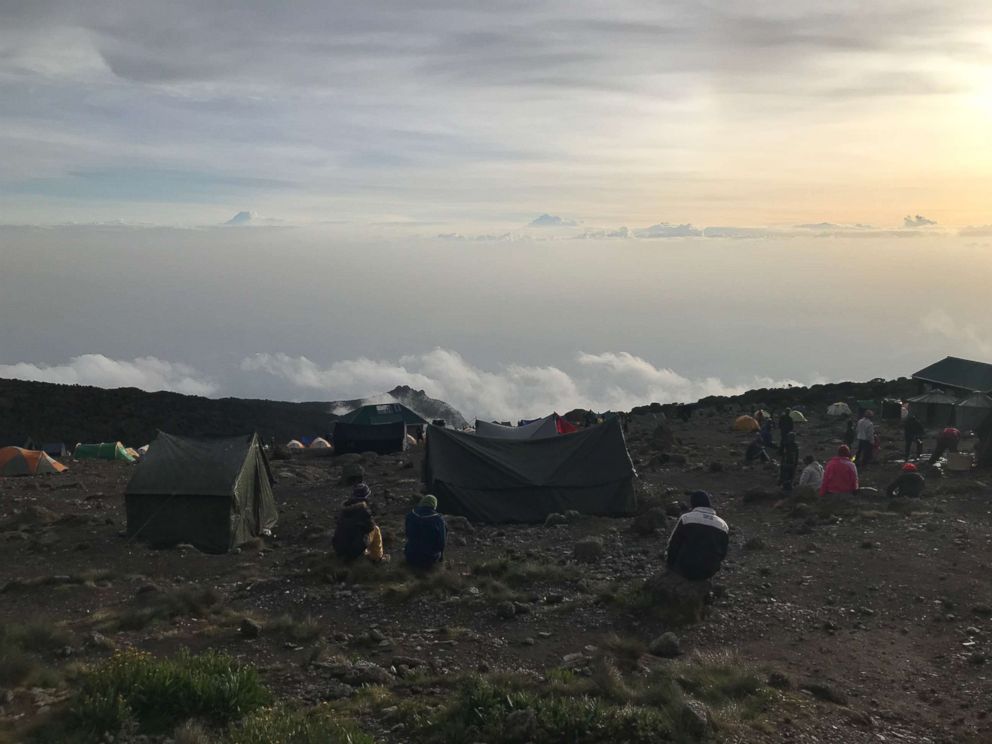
426, 534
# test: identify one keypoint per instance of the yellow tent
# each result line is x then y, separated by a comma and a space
746, 423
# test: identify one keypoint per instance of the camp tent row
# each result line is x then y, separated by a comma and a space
104, 451
381, 428
215, 494
493, 479
549, 426
937, 408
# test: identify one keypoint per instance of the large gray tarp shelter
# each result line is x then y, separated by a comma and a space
212, 493
384, 439
540, 429
506, 480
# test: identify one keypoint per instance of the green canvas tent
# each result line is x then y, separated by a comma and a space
513, 480
212, 493
384, 413
102, 451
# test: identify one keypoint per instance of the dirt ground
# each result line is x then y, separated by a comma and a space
878, 614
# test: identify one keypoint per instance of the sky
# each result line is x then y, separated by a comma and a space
517, 205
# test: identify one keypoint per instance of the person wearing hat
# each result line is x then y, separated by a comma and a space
812, 475
426, 534
356, 533
841, 474
910, 482
699, 542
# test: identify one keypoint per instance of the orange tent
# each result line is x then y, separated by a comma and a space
17, 461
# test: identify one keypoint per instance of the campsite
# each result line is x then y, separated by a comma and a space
861, 620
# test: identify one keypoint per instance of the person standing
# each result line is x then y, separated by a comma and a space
699, 542
913, 431
790, 462
840, 475
866, 439
947, 441
785, 427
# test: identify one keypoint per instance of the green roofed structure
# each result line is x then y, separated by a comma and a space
962, 376
215, 494
383, 413
102, 451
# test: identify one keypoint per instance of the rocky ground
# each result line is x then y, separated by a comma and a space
867, 620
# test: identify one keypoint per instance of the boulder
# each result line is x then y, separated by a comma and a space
459, 524
695, 720
555, 519
506, 610
676, 600
650, 521
250, 628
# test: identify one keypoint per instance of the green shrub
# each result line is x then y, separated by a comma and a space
22, 645
157, 694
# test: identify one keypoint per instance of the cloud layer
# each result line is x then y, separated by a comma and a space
147, 373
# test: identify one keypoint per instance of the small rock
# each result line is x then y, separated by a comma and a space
459, 524
506, 610
249, 628
555, 519
590, 550
666, 645
779, 680
695, 719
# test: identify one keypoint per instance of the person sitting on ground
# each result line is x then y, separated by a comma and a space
812, 474
356, 533
910, 482
790, 461
840, 475
913, 431
785, 427
866, 439
756, 450
699, 542
426, 534
947, 441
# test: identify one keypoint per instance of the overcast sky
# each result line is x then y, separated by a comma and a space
491, 113
514, 205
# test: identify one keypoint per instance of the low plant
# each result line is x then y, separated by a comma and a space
287, 726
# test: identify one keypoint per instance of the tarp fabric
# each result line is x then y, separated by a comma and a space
384, 439
215, 494
538, 429
746, 423
18, 461
55, 449
505, 480
102, 451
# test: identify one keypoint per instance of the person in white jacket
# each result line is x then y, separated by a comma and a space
812, 474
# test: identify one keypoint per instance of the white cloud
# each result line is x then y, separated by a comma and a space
967, 337
666, 230
147, 373
917, 221
609, 380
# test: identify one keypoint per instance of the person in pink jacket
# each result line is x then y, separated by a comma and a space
840, 475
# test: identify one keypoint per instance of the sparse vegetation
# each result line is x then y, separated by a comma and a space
23, 647
286, 726
157, 605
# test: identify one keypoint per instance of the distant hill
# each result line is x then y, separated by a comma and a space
46, 412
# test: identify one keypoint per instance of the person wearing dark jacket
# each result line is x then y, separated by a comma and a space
699, 542
766, 433
913, 431
790, 462
356, 533
426, 534
910, 482
947, 441
756, 450
785, 427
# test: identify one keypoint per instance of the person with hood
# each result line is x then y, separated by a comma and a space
913, 431
699, 542
840, 475
790, 461
812, 474
356, 533
866, 439
785, 426
910, 482
426, 534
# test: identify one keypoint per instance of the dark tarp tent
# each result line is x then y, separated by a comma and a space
212, 493
935, 408
383, 413
537, 429
507, 480
383, 439
971, 412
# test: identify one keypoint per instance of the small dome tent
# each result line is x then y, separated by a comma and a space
295, 444
797, 417
320, 443
838, 409
18, 461
746, 423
